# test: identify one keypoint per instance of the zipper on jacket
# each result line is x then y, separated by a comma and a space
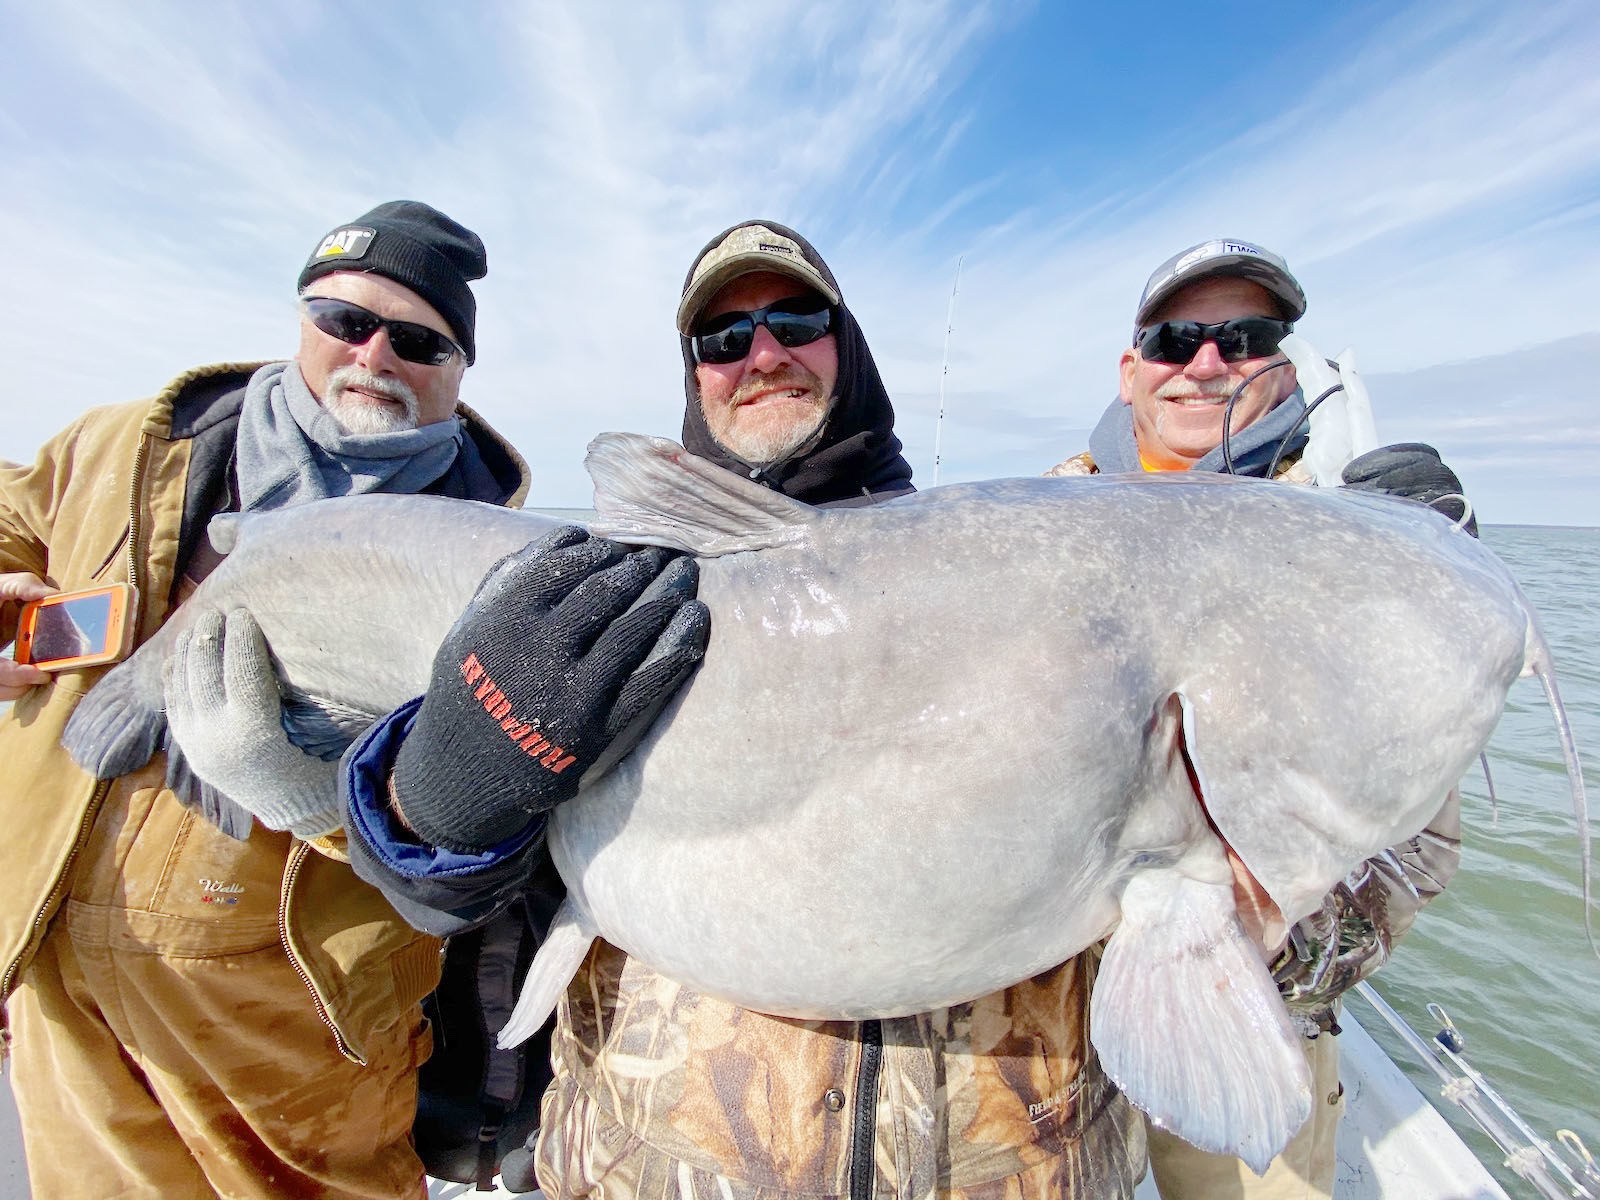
864, 1127
135, 526
296, 857
102, 789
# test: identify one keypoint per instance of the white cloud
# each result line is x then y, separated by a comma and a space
1433, 192
1522, 437
595, 148
1433, 187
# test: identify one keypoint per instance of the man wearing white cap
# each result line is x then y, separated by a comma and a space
1207, 331
1208, 324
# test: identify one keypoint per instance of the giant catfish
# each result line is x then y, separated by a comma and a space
941, 744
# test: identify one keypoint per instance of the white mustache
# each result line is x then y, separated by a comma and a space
353, 376
356, 416
1184, 389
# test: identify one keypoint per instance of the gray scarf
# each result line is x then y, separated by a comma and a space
1113, 447
291, 451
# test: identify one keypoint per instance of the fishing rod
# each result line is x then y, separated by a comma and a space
1452, 1042
944, 370
1531, 1157
1338, 432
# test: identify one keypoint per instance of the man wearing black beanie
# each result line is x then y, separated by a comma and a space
220, 1006
414, 245
404, 261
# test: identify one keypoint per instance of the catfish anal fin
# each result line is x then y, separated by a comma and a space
195, 793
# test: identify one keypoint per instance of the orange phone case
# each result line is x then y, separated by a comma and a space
114, 647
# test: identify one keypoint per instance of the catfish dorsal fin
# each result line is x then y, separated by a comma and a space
653, 492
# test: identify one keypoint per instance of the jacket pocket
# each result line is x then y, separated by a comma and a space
365, 966
186, 888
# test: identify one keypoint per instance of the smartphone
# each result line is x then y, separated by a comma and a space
77, 629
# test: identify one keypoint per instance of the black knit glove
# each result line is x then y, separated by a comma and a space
544, 670
1411, 471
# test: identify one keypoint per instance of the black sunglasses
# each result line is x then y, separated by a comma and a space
796, 321
354, 324
1177, 342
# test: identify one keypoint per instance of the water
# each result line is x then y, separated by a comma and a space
1504, 949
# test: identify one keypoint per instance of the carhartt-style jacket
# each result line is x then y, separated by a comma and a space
123, 495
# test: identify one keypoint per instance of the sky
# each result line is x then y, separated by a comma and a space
1430, 171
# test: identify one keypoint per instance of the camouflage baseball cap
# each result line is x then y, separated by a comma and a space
745, 250
1221, 256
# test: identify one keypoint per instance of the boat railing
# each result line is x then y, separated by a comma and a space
1563, 1173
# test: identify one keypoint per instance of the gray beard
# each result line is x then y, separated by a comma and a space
355, 415
765, 449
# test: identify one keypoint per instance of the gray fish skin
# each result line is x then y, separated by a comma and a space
354, 596
975, 692
938, 745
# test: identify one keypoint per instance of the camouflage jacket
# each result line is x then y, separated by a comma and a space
661, 1091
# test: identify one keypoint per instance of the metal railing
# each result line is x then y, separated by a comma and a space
1549, 1171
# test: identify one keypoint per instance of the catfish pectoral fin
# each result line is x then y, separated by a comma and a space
1187, 1021
324, 728
119, 725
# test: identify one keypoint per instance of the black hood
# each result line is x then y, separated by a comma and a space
858, 453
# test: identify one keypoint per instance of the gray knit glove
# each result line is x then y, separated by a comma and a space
225, 726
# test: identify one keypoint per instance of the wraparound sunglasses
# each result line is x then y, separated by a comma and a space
796, 321
1177, 342
356, 325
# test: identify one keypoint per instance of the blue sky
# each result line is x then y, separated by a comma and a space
1432, 173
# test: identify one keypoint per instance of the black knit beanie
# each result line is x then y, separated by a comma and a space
414, 245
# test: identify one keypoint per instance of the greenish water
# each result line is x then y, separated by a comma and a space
1504, 949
